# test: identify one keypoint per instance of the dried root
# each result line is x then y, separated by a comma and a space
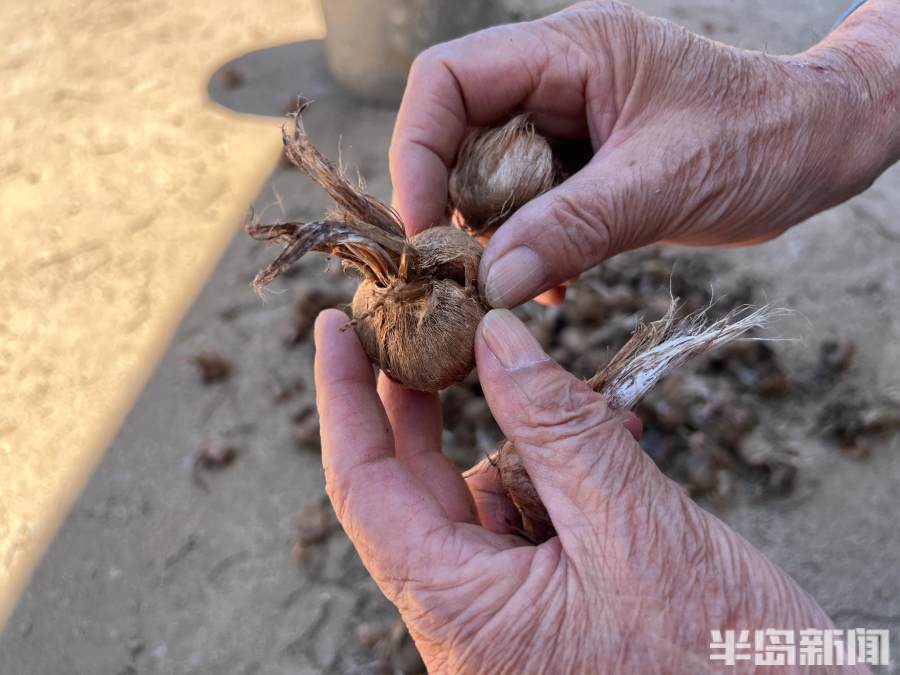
654, 351
658, 348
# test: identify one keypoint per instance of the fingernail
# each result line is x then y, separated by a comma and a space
510, 341
514, 278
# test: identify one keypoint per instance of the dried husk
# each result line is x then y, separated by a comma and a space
654, 351
498, 170
424, 340
417, 307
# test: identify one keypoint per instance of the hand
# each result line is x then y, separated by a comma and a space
635, 580
696, 142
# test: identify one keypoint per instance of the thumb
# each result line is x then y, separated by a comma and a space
579, 454
598, 212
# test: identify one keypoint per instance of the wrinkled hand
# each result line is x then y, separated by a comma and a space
637, 576
695, 142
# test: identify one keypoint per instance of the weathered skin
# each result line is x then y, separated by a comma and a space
694, 141
633, 583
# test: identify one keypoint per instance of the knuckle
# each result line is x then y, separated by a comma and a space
425, 61
613, 8
610, 26
337, 495
339, 483
563, 411
434, 59
580, 6
432, 103
581, 231
602, 9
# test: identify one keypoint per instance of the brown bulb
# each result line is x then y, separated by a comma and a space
497, 171
536, 523
421, 333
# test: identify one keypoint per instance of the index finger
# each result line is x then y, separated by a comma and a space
386, 511
475, 81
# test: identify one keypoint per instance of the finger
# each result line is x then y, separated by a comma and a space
495, 511
582, 459
475, 81
633, 424
415, 419
386, 511
552, 298
606, 208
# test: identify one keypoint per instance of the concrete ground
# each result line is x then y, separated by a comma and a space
155, 572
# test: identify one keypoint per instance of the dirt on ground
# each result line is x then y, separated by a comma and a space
205, 544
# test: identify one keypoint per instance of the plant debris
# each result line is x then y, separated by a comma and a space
315, 524
231, 79
286, 391
212, 367
393, 646
306, 428
851, 418
212, 458
834, 358
311, 300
